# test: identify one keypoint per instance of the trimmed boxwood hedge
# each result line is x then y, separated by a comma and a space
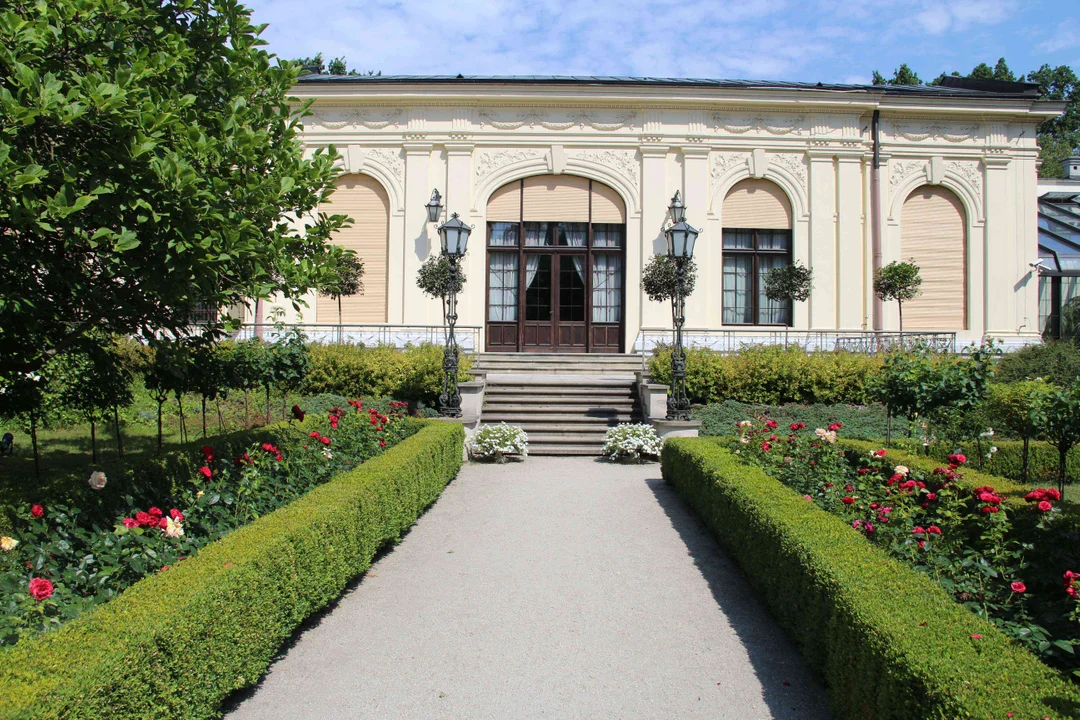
177, 643
888, 641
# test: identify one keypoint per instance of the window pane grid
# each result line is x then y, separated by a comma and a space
503, 287
748, 256
607, 280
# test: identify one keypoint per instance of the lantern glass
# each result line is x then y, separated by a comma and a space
677, 209
680, 240
455, 236
434, 206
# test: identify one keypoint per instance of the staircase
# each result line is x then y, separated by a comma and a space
566, 403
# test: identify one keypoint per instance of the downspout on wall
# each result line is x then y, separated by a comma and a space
875, 211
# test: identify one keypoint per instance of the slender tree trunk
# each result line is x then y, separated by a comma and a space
339, 329
93, 440
978, 448
119, 437
220, 419
1024, 461
183, 422
284, 405
900, 309
1062, 456
247, 415
34, 442
267, 404
160, 406
888, 426
204, 417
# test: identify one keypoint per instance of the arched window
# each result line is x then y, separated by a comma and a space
556, 247
933, 236
757, 238
364, 200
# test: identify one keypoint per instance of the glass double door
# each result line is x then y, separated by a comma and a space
555, 302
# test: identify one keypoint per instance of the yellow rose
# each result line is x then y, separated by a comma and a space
7, 544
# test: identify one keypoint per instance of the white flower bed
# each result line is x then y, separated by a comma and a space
632, 441
496, 442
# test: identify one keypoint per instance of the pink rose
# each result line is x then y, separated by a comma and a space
1018, 587
41, 589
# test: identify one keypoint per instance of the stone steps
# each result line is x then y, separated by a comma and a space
566, 403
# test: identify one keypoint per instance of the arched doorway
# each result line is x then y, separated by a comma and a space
556, 250
933, 235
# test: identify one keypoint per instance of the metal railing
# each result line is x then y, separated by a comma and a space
735, 339
468, 336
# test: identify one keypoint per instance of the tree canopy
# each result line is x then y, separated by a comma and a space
317, 65
1057, 137
150, 163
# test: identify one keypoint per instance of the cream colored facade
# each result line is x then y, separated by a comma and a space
645, 141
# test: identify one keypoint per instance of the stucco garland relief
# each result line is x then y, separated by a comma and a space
772, 124
532, 118
726, 161
969, 170
336, 119
917, 132
902, 169
489, 162
793, 163
622, 161
389, 159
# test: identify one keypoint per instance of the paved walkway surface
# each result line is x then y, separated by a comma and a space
554, 588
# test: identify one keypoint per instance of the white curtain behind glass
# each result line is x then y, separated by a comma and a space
771, 312
737, 281
607, 288
503, 284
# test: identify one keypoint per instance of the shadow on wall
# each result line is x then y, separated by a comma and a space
775, 659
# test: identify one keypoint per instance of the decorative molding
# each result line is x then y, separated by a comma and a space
793, 163
489, 162
917, 132
726, 161
534, 118
969, 170
902, 169
622, 161
772, 124
389, 159
338, 118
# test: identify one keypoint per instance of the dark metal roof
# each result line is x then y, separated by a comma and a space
957, 87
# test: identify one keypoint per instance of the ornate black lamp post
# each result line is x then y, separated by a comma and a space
454, 236
680, 246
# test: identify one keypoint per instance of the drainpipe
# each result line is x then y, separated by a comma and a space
875, 210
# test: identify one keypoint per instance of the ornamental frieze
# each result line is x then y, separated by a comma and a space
726, 161
338, 118
902, 169
793, 163
768, 123
488, 162
623, 162
917, 132
969, 170
389, 159
604, 122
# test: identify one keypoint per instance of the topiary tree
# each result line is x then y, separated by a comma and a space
791, 283
433, 279
1058, 414
658, 278
93, 384
348, 280
1013, 407
898, 281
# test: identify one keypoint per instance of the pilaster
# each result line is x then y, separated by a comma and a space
823, 240
998, 255
654, 199
457, 197
851, 250
695, 190
418, 233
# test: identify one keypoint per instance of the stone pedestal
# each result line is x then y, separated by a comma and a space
675, 428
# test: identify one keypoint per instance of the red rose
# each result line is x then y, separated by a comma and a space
957, 459
277, 457
934, 530
325, 440
919, 530
772, 424
176, 515
849, 488
143, 518
163, 523
206, 472
836, 426
1053, 494
208, 453
1045, 506
130, 522
797, 426
382, 443
864, 471
313, 434
765, 446
1018, 587
156, 512
40, 588
880, 453
931, 497
298, 413
1072, 592
37, 511
848, 500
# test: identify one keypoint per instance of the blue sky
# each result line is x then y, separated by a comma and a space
807, 40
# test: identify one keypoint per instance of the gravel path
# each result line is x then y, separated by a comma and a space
556, 588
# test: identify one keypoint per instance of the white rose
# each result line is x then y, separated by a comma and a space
97, 480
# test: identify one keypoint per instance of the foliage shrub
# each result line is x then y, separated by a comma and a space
414, 373
1054, 361
632, 441
888, 640
89, 562
180, 641
496, 442
1003, 561
772, 375
860, 421
1007, 459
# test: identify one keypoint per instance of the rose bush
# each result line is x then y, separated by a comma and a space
1003, 564
56, 565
